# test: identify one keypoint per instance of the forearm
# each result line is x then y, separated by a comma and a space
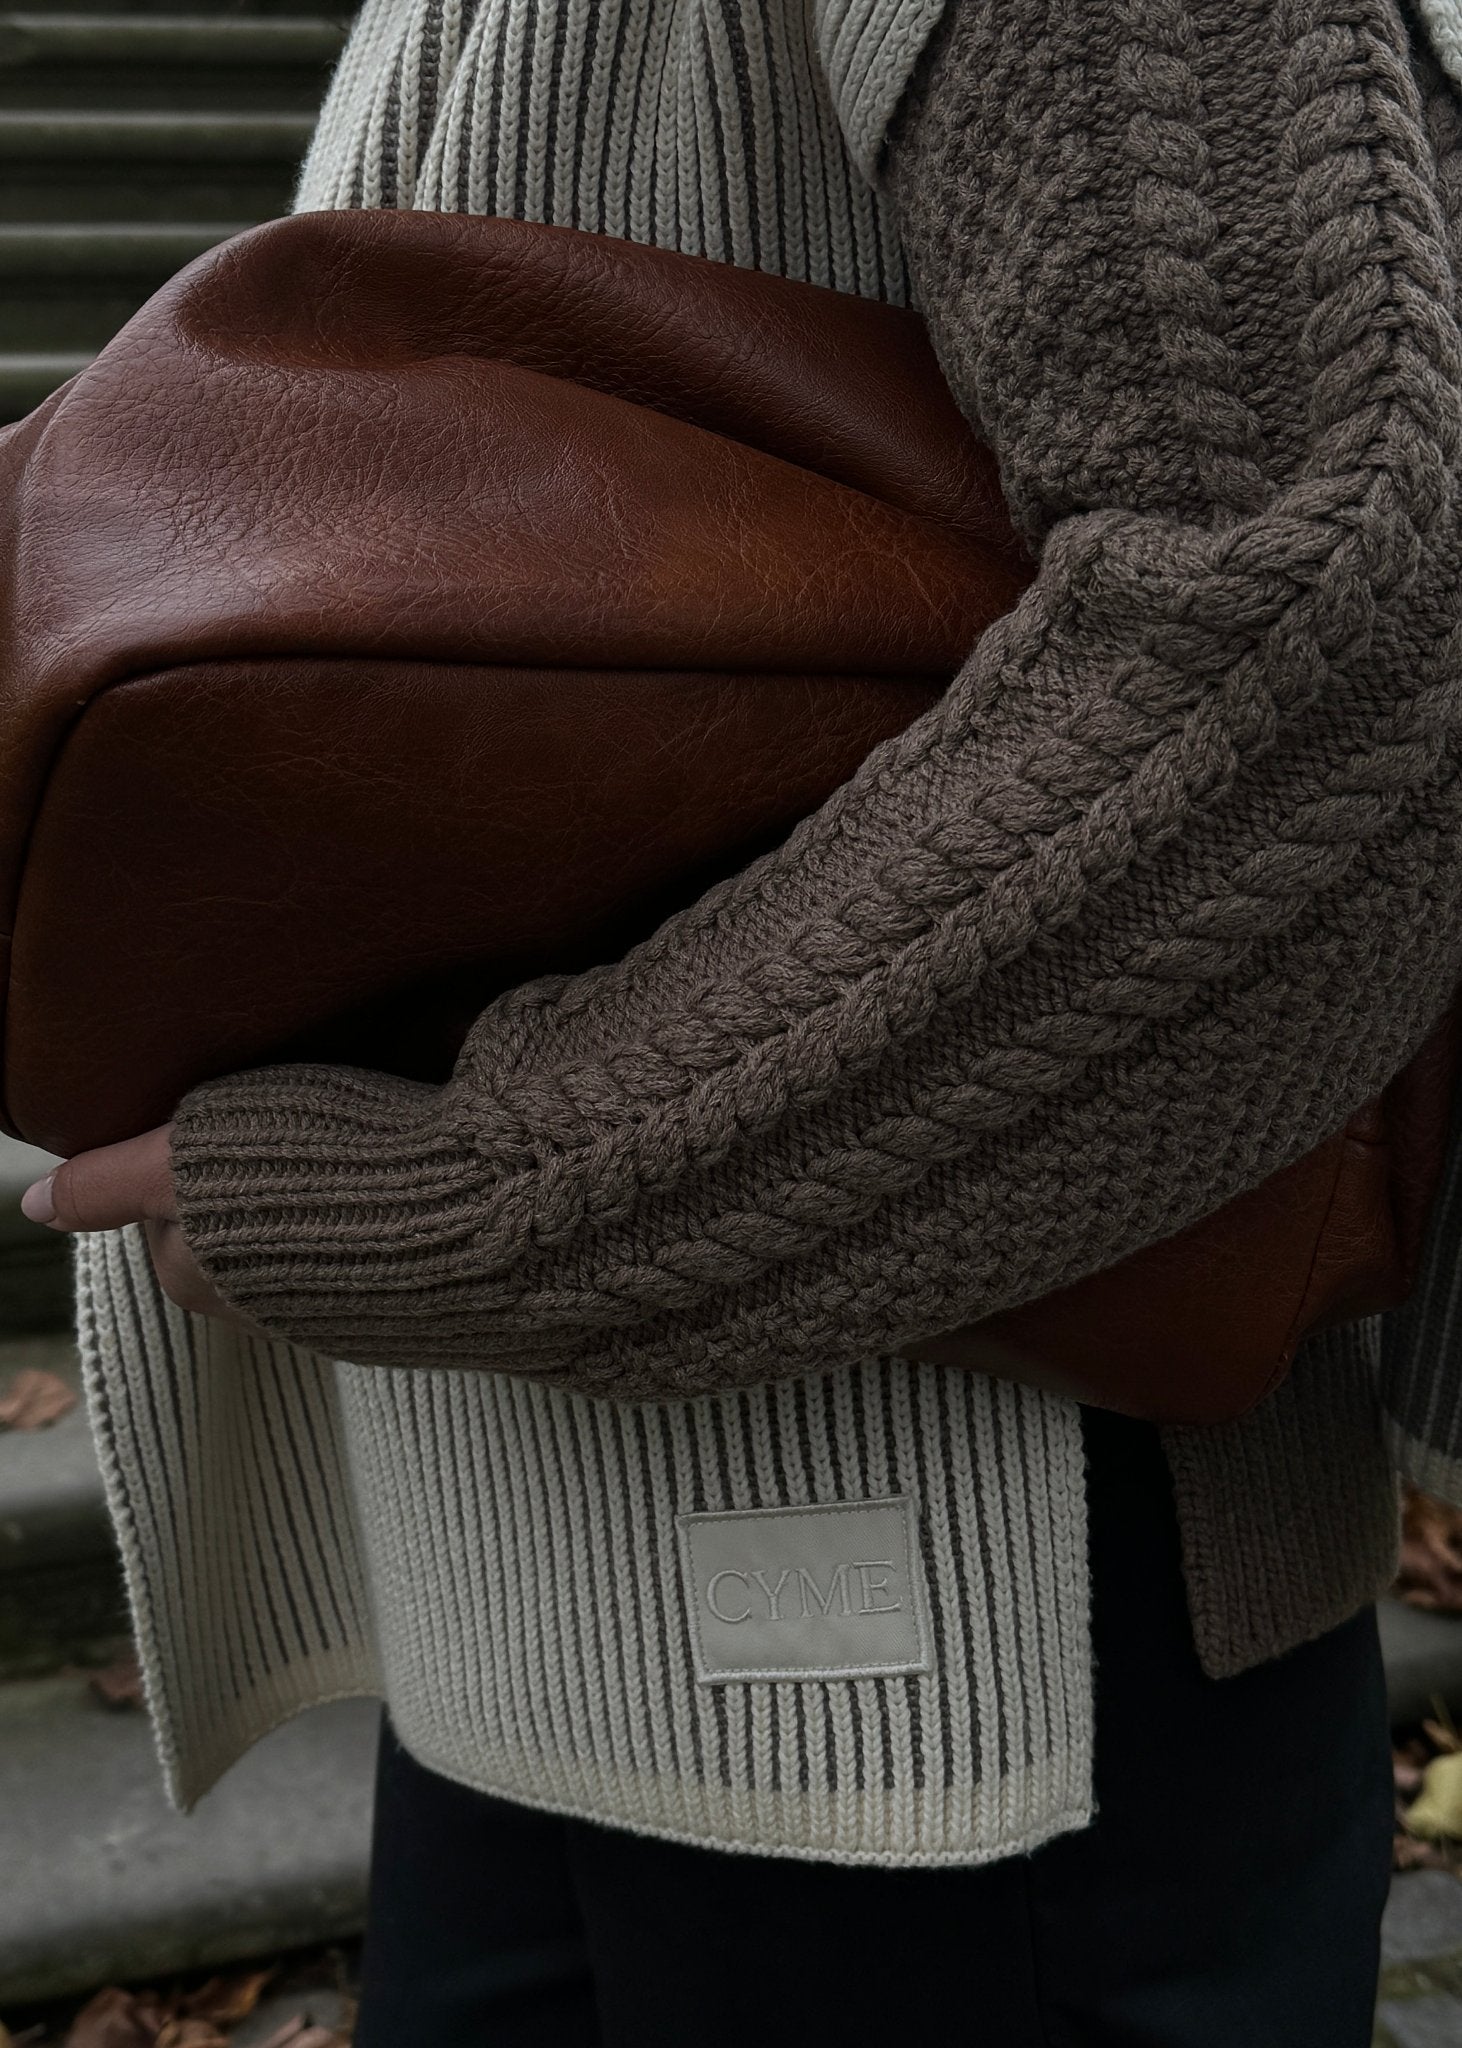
1020, 1114
1164, 888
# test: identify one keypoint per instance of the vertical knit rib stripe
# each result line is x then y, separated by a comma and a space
507, 1570
527, 1620
867, 60
225, 1475
1421, 1387
557, 1670
705, 125
1265, 1495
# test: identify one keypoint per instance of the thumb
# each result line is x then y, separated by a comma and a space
113, 1185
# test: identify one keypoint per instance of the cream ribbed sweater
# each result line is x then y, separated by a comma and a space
535, 1580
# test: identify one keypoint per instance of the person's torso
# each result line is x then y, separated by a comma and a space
754, 1618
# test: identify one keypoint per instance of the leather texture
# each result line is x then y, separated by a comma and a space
1204, 1324
406, 604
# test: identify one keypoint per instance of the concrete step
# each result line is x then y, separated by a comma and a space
1420, 2004
52, 1506
61, 1596
80, 253
107, 166
27, 376
115, 1887
142, 193
1423, 1654
277, 42
67, 288
100, 1881
340, 12
86, 136
166, 61
35, 1265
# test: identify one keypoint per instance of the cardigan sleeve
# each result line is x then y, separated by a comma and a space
1165, 886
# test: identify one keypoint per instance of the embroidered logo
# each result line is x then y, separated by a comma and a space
828, 1591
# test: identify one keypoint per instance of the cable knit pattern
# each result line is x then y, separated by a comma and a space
501, 1561
1167, 884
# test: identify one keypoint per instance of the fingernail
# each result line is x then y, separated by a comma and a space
37, 1202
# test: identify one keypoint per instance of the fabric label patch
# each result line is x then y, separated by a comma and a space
827, 1591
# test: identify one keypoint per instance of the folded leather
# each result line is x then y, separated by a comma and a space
452, 595
412, 604
459, 596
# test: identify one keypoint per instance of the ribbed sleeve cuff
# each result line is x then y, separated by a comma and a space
322, 1201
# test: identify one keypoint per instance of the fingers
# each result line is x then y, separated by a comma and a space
183, 1280
179, 1273
132, 1183
104, 1189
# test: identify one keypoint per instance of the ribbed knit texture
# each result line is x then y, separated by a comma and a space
225, 1470
1187, 824
712, 128
1163, 889
500, 1560
1289, 1517
506, 1574
577, 1679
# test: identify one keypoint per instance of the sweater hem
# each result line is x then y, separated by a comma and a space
1067, 1818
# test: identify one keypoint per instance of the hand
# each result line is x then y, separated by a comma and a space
131, 1183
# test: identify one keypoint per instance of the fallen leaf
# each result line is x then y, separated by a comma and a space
225, 2000
203, 2018
1407, 1771
35, 1399
1407, 1853
1443, 1739
117, 2019
1436, 1814
1430, 1576
119, 1685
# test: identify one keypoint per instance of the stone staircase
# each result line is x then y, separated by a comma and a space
116, 1885
131, 139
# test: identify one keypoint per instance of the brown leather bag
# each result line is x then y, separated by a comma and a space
403, 605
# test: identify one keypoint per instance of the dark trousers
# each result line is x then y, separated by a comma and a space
1228, 1895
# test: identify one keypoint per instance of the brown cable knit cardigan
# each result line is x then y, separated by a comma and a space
1164, 887
1167, 884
